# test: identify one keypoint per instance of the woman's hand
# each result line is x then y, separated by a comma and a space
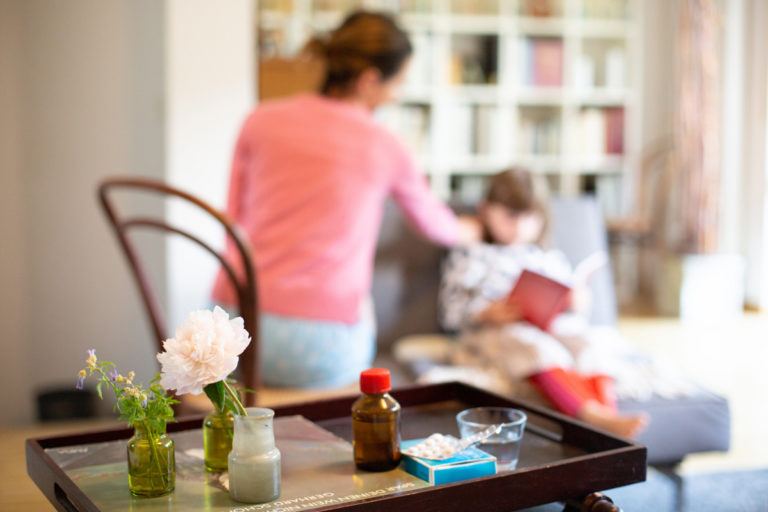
500, 312
470, 230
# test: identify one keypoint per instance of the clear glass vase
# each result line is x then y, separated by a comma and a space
151, 463
254, 462
218, 430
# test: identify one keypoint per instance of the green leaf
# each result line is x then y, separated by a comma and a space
98, 390
217, 394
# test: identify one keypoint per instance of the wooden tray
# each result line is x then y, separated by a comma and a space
560, 459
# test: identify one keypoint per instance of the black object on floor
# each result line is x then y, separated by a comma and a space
66, 404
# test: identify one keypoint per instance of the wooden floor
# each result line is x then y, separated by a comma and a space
730, 357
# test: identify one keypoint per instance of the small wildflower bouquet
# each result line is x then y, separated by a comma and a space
150, 409
151, 454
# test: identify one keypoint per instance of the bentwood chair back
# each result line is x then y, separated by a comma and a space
244, 282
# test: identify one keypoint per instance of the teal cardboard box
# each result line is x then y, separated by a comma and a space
470, 463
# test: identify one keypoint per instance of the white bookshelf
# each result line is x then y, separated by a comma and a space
477, 100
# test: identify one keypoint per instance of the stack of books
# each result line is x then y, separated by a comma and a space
542, 60
601, 131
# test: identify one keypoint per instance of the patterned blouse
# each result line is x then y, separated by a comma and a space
475, 276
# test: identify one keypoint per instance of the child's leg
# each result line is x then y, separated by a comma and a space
567, 394
603, 390
571, 395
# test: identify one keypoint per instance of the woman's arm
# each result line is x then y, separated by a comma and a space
470, 230
429, 216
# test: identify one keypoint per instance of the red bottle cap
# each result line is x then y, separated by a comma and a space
375, 381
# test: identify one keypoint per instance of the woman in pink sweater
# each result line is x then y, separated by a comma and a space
309, 178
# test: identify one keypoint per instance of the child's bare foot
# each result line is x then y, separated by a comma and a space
622, 425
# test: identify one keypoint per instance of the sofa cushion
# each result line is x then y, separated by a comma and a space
690, 424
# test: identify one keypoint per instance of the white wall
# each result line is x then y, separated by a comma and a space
733, 67
13, 268
89, 99
210, 89
86, 86
754, 207
744, 188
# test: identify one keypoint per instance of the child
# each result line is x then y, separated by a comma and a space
473, 299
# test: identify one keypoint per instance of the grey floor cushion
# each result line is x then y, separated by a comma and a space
690, 424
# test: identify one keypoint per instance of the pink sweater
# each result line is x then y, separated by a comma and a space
308, 182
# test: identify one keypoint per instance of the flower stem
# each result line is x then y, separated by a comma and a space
236, 399
154, 455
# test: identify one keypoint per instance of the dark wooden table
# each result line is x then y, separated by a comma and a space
561, 460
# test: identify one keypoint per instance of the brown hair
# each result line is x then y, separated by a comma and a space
520, 191
364, 40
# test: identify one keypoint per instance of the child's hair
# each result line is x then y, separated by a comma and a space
520, 191
364, 40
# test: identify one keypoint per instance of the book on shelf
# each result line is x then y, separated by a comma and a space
605, 9
410, 122
474, 130
420, 70
540, 8
539, 136
416, 6
474, 59
284, 6
543, 61
614, 130
615, 68
475, 7
460, 125
486, 130
584, 72
601, 131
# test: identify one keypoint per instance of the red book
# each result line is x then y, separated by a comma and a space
547, 61
539, 298
614, 131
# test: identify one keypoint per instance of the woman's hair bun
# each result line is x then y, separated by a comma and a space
316, 47
365, 39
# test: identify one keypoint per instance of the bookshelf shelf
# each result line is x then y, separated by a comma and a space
551, 85
532, 96
473, 24
597, 29
542, 27
485, 94
417, 22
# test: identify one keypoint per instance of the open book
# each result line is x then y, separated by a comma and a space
541, 298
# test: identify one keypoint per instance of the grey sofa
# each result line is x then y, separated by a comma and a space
405, 283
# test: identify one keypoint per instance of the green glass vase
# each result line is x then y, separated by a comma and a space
218, 430
151, 463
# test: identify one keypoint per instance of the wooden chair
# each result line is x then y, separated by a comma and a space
637, 239
244, 283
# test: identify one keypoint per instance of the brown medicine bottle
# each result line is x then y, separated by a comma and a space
376, 423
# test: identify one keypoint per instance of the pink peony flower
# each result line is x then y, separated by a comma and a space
205, 350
